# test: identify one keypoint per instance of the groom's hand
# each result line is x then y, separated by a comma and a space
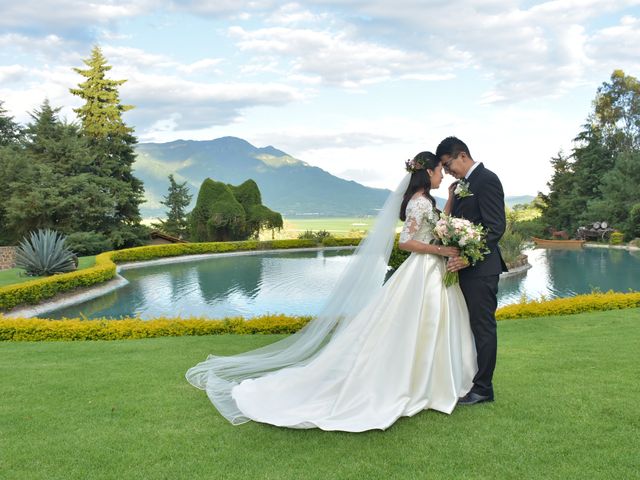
457, 263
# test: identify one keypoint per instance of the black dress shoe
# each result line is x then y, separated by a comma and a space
472, 398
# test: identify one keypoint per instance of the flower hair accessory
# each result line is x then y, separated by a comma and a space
414, 164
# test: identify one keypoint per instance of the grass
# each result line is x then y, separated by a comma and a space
338, 227
16, 275
566, 407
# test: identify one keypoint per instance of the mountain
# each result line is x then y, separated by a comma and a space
288, 185
518, 200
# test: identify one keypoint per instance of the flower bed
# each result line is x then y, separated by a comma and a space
36, 329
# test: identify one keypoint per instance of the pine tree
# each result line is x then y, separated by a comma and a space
112, 142
10, 131
177, 200
50, 184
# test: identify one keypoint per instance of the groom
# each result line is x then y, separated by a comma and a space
479, 199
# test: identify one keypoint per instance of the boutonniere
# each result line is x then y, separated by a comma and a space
462, 189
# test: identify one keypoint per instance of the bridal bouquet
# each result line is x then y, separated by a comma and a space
462, 234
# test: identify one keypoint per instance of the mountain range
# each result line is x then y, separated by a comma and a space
288, 185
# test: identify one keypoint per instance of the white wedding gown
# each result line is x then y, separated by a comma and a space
409, 350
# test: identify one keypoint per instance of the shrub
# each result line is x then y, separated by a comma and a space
320, 236
45, 253
569, 306
397, 255
88, 243
37, 329
307, 235
617, 238
511, 245
530, 228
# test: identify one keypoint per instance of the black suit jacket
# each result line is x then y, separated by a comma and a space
484, 207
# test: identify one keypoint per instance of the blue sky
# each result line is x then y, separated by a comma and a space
352, 86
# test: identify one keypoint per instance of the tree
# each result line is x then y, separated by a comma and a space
10, 131
49, 184
217, 216
10, 156
177, 200
112, 143
226, 212
258, 217
617, 112
556, 209
593, 182
620, 201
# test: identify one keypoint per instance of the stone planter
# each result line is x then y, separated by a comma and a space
521, 261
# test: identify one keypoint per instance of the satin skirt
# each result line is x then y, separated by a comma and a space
409, 350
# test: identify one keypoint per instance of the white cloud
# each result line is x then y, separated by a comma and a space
13, 73
617, 45
334, 57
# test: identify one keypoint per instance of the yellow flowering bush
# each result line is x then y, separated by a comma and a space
569, 306
38, 329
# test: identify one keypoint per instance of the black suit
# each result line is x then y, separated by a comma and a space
479, 283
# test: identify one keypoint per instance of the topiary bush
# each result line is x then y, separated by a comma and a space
617, 238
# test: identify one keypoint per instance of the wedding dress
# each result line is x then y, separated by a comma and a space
408, 349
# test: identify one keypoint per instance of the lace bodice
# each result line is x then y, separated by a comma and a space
421, 218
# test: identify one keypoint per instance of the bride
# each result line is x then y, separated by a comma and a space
376, 352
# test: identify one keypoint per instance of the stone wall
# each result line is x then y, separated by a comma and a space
7, 257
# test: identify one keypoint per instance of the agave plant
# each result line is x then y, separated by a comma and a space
44, 253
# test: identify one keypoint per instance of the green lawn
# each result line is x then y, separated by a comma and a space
17, 275
566, 407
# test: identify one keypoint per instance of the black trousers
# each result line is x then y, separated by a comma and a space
480, 293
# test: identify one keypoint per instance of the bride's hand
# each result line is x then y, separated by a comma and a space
452, 189
448, 251
457, 263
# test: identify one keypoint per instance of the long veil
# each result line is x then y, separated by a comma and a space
359, 283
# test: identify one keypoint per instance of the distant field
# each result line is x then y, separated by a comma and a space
338, 227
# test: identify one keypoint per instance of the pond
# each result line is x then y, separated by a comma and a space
296, 283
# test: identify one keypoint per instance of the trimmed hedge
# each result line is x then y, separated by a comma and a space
105, 269
36, 329
568, 306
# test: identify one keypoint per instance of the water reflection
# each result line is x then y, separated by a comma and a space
563, 273
297, 283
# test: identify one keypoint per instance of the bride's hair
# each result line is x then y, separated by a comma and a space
420, 181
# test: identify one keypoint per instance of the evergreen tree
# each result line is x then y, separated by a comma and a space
177, 200
258, 217
112, 142
10, 157
225, 212
10, 131
556, 210
217, 216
